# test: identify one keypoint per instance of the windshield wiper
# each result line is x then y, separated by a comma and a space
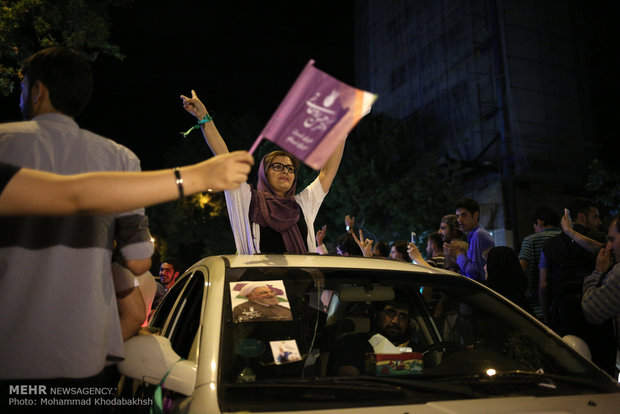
316, 389
411, 384
364, 382
542, 380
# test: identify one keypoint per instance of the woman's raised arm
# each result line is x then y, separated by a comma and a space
329, 170
214, 140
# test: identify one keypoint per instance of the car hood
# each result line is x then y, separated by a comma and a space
595, 403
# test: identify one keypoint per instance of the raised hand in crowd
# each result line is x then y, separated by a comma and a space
585, 242
349, 223
567, 224
415, 255
364, 244
604, 259
194, 106
320, 235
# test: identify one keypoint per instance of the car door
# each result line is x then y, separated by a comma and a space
178, 318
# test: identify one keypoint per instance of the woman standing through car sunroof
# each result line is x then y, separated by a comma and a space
271, 218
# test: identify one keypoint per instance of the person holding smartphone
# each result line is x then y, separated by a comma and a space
564, 265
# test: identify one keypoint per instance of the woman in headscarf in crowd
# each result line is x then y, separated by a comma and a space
505, 275
398, 251
270, 218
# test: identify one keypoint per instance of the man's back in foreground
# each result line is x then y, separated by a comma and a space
56, 288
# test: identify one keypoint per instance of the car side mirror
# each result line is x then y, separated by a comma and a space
578, 345
149, 358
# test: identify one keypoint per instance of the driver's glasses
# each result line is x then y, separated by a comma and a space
276, 166
391, 313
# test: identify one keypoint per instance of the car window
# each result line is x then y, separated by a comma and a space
185, 320
163, 310
454, 330
178, 316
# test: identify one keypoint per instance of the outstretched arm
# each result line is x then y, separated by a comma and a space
585, 242
214, 140
32, 192
329, 170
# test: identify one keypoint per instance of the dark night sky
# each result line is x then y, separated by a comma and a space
240, 59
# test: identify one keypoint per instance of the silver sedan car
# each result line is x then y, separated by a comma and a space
309, 333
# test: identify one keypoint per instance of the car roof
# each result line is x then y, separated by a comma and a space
328, 261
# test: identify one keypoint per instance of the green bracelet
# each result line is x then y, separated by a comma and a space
205, 120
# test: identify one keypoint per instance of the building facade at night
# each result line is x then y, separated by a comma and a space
503, 88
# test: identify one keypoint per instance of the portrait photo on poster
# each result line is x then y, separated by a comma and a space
260, 301
285, 351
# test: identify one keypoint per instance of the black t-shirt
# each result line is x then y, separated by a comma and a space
351, 351
567, 261
7, 171
271, 240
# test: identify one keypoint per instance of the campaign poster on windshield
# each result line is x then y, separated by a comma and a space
285, 351
260, 301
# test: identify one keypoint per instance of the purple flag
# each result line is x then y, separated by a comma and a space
315, 116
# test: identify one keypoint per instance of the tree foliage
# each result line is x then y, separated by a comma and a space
388, 183
191, 229
27, 26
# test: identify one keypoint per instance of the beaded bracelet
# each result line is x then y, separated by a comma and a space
205, 120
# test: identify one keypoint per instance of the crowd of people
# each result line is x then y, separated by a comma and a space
71, 199
564, 273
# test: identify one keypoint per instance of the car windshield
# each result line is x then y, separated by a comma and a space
301, 337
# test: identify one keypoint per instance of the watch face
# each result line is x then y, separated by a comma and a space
348, 228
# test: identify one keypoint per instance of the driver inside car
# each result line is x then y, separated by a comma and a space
392, 321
